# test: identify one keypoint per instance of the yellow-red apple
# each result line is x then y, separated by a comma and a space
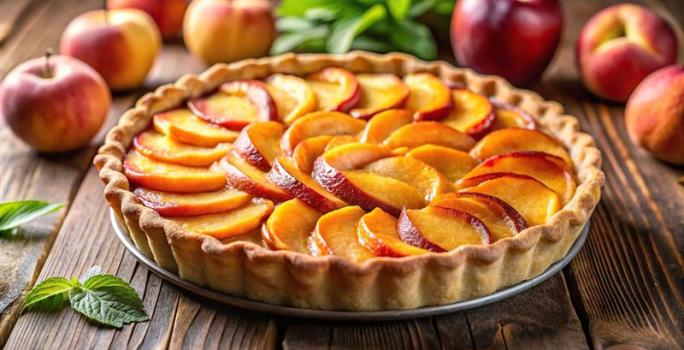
167, 14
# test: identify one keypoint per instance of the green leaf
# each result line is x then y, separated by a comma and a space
420, 7
399, 8
13, 214
444, 7
414, 38
93, 271
49, 295
300, 7
346, 29
108, 300
292, 24
371, 44
289, 41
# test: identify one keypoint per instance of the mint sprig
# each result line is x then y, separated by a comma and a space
104, 299
14, 214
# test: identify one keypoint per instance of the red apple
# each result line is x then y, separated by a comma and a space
167, 14
54, 105
655, 114
515, 39
229, 30
121, 45
620, 46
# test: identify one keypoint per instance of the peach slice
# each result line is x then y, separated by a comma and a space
336, 89
516, 139
289, 226
424, 178
441, 229
156, 175
418, 134
352, 156
250, 179
429, 98
534, 164
379, 92
236, 104
191, 204
531, 198
385, 123
378, 233
336, 234
307, 151
259, 143
337, 141
318, 124
472, 113
292, 95
231, 223
508, 116
286, 175
453, 164
183, 126
162, 148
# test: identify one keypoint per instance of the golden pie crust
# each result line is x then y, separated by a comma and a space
248, 270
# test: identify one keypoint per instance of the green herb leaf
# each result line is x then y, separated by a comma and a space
49, 295
346, 29
300, 7
399, 8
415, 38
108, 300
13, 214
292, 24
420, 7
371, 44
444, 7
290, 41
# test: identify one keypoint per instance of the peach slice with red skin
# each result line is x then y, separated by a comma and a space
509, 116
336, 234
379, 92
318, 124
531, 198
440, 229
250, 179
424, 178
337, 141
259, 143
418, 134
453, 164
162, 148
236, 104
286, 175
385, 123
378, 233
230, 223
191, 204
156, 175
472, 113
336, 89
292, 95
429, 98
538, 165
289, 226
307, 151
183, 126
517, 139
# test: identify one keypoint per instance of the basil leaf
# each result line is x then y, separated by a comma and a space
49, 295
13, 214
292, 24
289, 41
399, 8
346, 29
108, 300
415, 38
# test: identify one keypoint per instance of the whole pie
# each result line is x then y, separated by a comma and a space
352, 182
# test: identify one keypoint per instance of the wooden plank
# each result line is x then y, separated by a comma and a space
11, 13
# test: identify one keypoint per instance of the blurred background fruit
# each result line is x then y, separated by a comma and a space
619, 46
515, 39
54, 104
119, 44
167, 14
655, 114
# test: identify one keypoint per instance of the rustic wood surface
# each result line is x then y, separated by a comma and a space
624, 289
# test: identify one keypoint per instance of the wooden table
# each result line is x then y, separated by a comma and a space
625, 286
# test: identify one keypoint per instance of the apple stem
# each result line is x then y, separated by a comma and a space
47, 72
104, 8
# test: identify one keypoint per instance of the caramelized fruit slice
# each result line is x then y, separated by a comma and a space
250, 179
289, 226
147, 172
453, 164
236, 104
337, 141
287, 176
424, 178
307, 151
508, 116
429, 97
160, 147
441, 229
318, 124
378, 233
516, 139
292, 95
385, 123
336, 89
530, 163
531, 198
472, 113
191, 204
183, 126
259, 143
231, 223
335, 234
418, 134
352, 156
378, 93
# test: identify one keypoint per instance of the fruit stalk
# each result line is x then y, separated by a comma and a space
47, 72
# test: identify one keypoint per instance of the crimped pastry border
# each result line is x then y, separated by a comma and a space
331, 282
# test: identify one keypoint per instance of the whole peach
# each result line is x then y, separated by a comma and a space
167, 14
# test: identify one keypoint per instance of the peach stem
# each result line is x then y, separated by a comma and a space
47, 72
